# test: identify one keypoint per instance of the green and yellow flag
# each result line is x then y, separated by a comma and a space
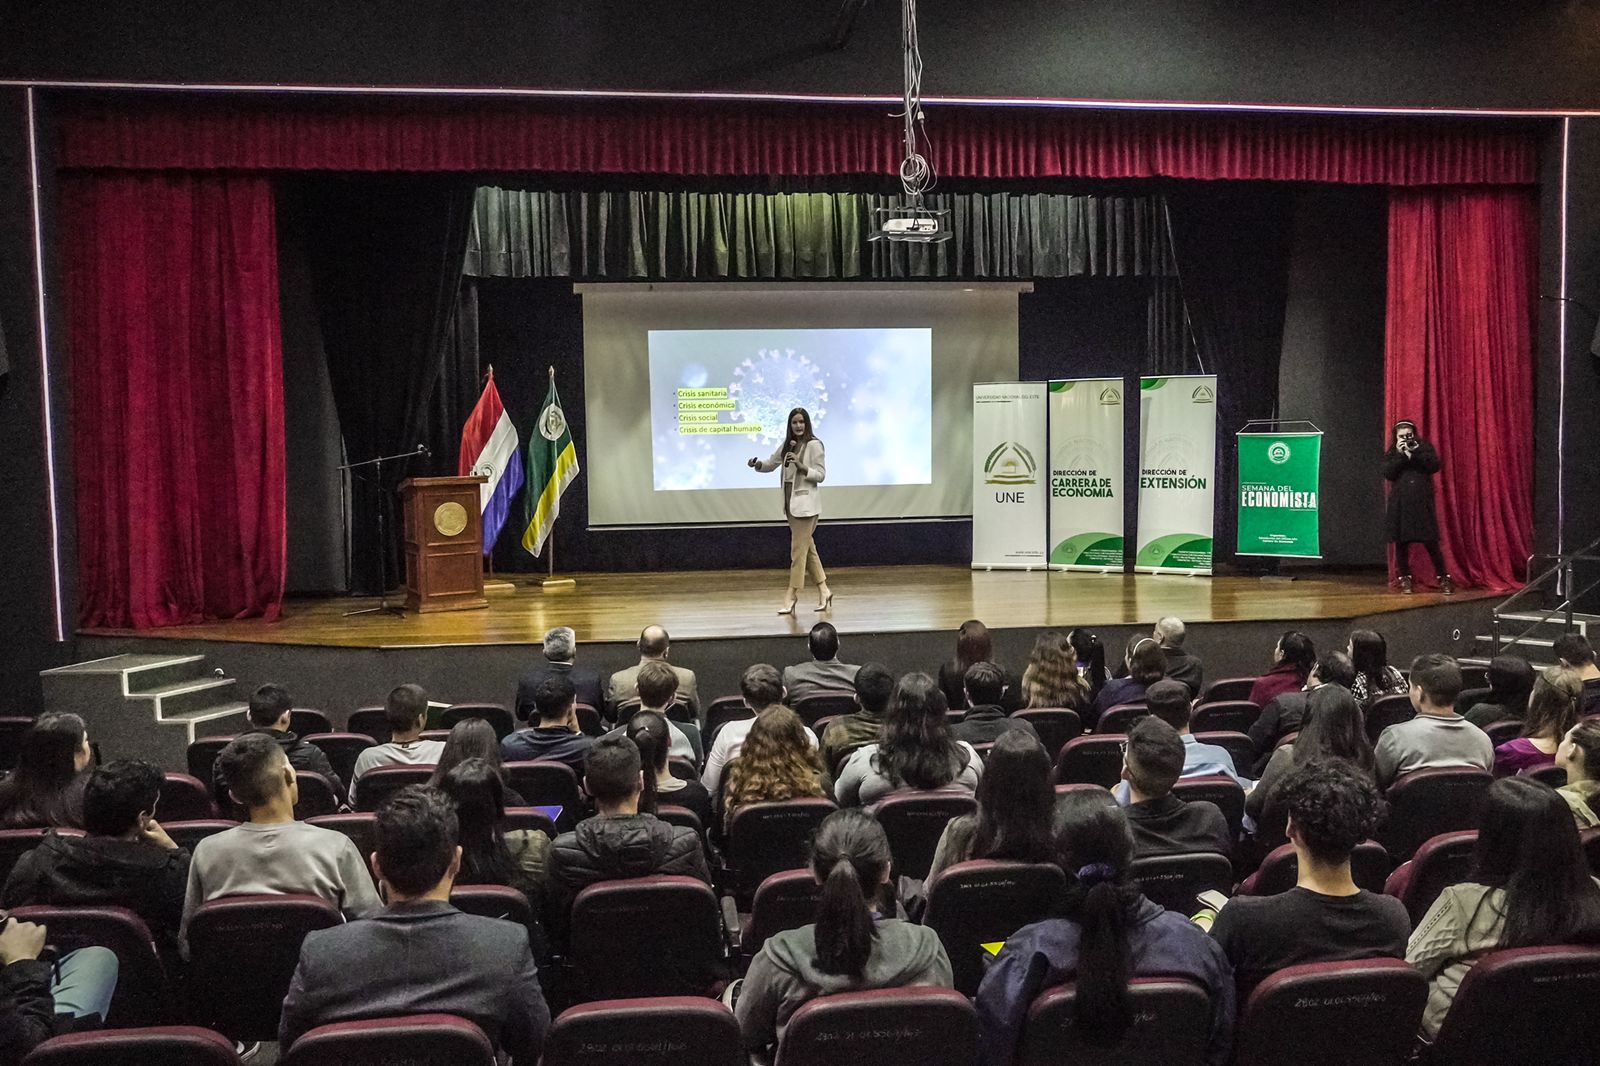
552, 464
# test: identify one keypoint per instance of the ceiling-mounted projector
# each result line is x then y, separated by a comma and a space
913, 223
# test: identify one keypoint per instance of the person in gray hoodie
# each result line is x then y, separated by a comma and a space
849, 948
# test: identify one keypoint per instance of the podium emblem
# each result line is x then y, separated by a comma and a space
450, 519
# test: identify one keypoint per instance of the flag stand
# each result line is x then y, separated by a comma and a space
551, 583
562, 467
489, 583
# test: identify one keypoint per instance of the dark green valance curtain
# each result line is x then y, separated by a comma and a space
681, 236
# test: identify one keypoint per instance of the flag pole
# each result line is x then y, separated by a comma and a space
551, 583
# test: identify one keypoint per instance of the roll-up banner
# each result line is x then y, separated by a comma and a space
1086, 529
1177, 473
1008, 477
1278, 491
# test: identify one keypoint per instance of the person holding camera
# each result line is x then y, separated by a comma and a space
1410, 465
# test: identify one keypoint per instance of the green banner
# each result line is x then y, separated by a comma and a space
1278, 494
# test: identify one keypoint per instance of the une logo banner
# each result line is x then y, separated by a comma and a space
1010, 464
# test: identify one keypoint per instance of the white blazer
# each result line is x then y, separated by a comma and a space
805, 495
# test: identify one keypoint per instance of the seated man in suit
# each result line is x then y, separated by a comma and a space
654, 646
1286, 712
269, 713
985, 720
1181, 665
1162, 823
560, 660
420, 955
824, 675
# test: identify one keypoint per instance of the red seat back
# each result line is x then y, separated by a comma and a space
1171, 1026
1500, 732
175, 1045
1425, 803
497, 715
1055, 726
15, 843
1239, 747
1174, 881
813, 708
1280, 871
188, 834
546, 783
885, 1026
1120, 719
421, 1038
317, 796
342, 750
1091, 760
649, 936
1442, 861
914, 822
244, 1001
142, 995
664, 1031
1333, 1014
381, 782
1388, 711
979, 902
371, 722
1228, 688
786, 900
1218, 789
1234, 716
492, 901
303, 721
201, 755
184, 798
360, 827
724, 709
1529, 1006
673, 814
766, 838
1554, 776
529, 818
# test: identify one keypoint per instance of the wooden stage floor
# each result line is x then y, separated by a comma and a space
720, 604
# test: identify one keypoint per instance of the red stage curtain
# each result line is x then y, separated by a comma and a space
172, 282
1459, 361
737, 139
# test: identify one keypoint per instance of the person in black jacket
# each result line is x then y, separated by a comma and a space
39, 1000
1163, 824
560, 660
269, 713
986, 719
127, 860
1410, 464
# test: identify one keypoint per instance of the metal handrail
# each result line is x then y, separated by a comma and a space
1563, 567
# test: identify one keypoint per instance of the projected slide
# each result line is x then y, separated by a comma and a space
719, 396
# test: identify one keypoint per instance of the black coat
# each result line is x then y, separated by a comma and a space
1411, 515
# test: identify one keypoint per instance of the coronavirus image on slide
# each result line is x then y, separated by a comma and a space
719, 396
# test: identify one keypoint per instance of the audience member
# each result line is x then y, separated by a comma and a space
1015, 799
272, 854
853, 945
1169, 701
1163, 824
1579, 756
560, 660
1292, 660
985, 719
474, 738
762, 689
1325, 917
657, 688
620, 841
489, 854
420, 955
847, 732
1511, 680
268, 712
1552, 711
1090, 655
1146, 664
916, 752
1108, 934
1529, 886
1286, 713
1051, 679
778, 761
1334, 729
1181, 666
40, 999
824, 674
652, 733
973, 645
1438, 737
406, 711
1374, 677
654, 647
46, 788
127, 860
553, 731
1575, 652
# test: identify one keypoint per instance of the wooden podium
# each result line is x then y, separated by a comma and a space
443, 543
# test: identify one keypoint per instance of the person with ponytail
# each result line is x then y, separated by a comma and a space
1108, 934
850, 947
653, 735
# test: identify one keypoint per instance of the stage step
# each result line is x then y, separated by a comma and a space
147, 706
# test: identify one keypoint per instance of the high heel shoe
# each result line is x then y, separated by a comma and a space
789, 607
826, 604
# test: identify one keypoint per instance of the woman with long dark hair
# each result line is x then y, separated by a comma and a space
1108, 934
46, 788
1051, 679
1333, 729
1090, 654
804, 466
973, 646
777, 762
474, 738
653, 735
490, 855
852, 946
1553, 708
1374, 676
1530, 886
1292, 660
917, 751
1015, 800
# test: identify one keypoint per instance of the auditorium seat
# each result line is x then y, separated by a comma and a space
1092, 759
547, 783
1500, 732
11, 729
317, 795
1361, 1013
1055, 726
589, 721
764, 838
785, 900
1227, 688
184, 798
529, 818
682, 768
1440, 862
174, 1045
371, 721
360, 827
883, 1027
493, 901
241, 1001
813, 707
648, 936
142, 995
1171, 1027
342, 750
1120, 719
1554, 776
914, 822
673, 814
15, 843
820, 726
1279, 872
1591, 849
304, 721
1238, 745
496, 714
422, 1039
1388, 711
1174, 881
188, 834
1528, 1006
1232, 716
1219, 789
201, 756
1425, 803
724, 709
983, 901
378, 784
663, 1031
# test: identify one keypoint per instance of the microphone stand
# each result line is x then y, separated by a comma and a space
384, 606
